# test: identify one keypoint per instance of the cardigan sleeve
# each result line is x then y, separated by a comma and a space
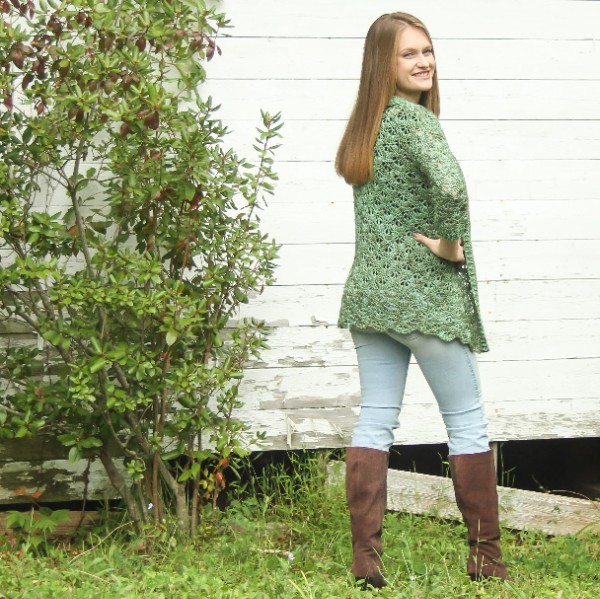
427, 145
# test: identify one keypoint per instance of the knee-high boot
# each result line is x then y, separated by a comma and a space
366, 493
474, 478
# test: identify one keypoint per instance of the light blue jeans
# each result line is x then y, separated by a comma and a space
451, 371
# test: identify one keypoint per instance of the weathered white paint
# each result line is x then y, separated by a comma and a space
515, 300
545, 339
503, 220
557, 385
507, 260
324, 427
519, 85
519, 82
57, 480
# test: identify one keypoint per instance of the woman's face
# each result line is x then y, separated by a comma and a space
415, 64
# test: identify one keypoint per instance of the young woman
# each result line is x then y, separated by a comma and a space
411, 290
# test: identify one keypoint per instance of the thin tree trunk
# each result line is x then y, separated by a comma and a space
121, 487
183, 516
156, 499
195, 499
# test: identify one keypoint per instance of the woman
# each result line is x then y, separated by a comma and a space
411, 291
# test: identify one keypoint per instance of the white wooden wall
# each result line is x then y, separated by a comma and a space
520, 83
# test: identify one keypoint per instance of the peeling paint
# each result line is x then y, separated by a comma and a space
59, 480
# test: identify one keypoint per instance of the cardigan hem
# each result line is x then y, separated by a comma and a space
476, 347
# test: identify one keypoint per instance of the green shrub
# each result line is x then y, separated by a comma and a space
130, 235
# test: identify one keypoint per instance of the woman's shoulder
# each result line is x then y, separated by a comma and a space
400, 109
410, 121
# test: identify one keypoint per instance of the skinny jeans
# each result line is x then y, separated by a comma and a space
450, 369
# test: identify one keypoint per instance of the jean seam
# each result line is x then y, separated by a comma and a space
474, 377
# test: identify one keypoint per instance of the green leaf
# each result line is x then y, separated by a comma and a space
185, 475
36, 540
22, 432
97, 364
74, 454
68, 439
16, 519
27, 135
171, 337
96, 345
58, 516
171, 455
91, 442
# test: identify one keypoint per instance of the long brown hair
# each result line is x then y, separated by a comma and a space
354, 160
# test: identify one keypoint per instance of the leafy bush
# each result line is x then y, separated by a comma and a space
130, 235
32, 529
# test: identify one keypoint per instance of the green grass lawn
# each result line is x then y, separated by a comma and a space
287, 535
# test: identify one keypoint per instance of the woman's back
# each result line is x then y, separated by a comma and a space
395, 282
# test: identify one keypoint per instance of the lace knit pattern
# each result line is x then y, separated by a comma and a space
395, 282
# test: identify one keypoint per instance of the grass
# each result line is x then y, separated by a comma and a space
287, 535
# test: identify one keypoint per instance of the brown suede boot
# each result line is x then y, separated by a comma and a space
366, 493
474, 478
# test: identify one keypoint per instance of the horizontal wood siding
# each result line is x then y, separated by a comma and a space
519, 84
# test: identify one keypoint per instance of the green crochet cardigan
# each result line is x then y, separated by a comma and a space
395, 282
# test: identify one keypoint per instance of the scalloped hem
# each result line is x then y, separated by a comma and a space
477, 348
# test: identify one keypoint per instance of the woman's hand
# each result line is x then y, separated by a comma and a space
446, 249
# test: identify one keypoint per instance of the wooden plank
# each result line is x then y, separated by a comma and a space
57, 480
40, 448
523, 340
488, 180
563, 386
500, 220
10, 339
338, 58
552, 514
420, 425
322, 346
330, 396
16, 341
511, 19
313, 305
320, 264
317, 140
327, 264
460, 100
12, 326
